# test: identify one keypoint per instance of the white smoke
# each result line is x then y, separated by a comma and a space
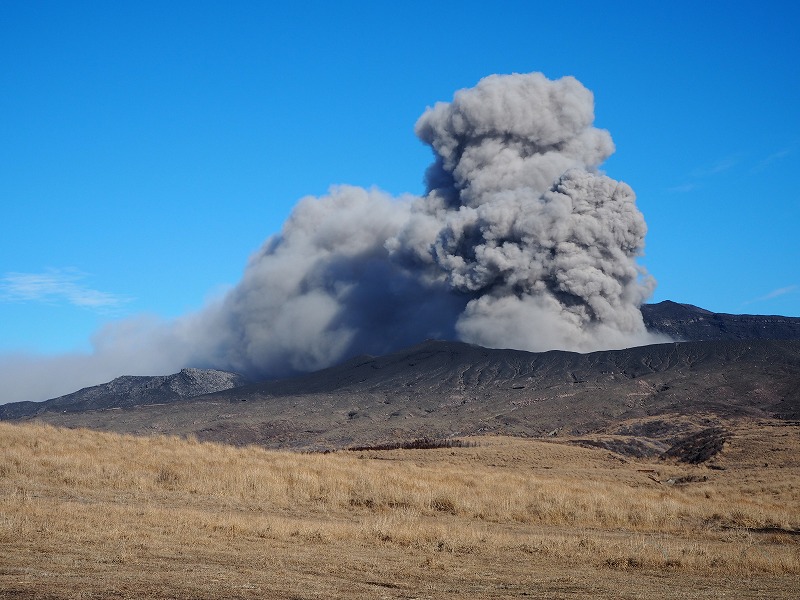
519, 242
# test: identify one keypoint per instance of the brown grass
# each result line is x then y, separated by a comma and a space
88, 514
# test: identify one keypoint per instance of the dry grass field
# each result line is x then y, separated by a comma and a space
85, 514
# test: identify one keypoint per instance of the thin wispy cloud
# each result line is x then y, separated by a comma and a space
58, 286
683, 189
765, 163
694, 179
722, 165
789, 289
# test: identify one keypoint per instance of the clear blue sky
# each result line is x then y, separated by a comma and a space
148, 148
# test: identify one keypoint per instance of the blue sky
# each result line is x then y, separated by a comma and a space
148, 148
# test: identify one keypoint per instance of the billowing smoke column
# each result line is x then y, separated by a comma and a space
519, 242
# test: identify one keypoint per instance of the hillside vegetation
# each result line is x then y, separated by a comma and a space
90, 514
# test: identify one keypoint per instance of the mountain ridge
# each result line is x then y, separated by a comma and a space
132, 390
687, 322
445, 389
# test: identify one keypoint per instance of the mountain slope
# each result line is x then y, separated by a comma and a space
130, 391
442, 389
749, 366
686, 322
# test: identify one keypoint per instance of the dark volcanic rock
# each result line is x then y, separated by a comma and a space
467, 373
684, 322
698, 447
635, 447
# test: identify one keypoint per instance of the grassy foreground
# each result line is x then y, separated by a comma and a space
95, 515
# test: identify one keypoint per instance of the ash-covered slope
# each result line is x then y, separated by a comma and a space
734, 377
686, 322
441, 389
127, 391
449, 388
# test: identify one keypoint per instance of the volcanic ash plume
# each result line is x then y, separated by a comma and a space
519, 242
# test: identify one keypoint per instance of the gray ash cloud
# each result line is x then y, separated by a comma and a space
519, 242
